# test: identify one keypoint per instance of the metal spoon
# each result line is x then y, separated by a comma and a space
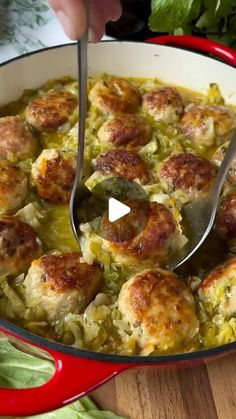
199, 216
80, 191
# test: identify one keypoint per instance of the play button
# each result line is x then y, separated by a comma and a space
116, 210
112, 209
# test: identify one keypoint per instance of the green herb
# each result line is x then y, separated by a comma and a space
167, 15
215, 19
19, 369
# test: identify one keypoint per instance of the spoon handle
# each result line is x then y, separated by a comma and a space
82, 66
222, 173
79, 190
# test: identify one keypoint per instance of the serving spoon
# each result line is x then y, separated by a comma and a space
199, 216
80, 192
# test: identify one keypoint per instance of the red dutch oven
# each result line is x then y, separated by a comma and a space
77, 372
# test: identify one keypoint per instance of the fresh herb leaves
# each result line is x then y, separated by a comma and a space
167, 15
215, 19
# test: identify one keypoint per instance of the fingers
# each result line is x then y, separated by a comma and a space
71, 14
101, 12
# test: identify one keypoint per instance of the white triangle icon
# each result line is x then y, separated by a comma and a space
116, 209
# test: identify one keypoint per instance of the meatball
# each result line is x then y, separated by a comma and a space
50, 112
13, 187
123, 163
164, 104
125, 130
114, 95
53, 175
17, 141
193, 174
61, 284
19, 245
226, 219
159, 308
218, 158
207, 125
158, 240
218, 290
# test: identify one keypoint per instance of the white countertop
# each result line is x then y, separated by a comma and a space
28, 25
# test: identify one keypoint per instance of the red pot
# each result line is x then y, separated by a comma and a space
77, 372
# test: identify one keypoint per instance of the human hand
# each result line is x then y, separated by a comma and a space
71, 14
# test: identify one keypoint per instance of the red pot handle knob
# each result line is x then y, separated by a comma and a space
74, 377
198, 44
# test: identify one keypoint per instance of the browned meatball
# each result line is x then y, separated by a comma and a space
50, 112
193, 174
218, 158
61, 284
158, 240
17, 141
19, 245
159, 308
125, 130
207, 125
123, 163
115, 95
226, 219
218, 291
53, 175
164, 104
13, 188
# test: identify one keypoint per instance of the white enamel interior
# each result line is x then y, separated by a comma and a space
119, 58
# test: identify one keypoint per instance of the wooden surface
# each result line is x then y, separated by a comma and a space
200, 392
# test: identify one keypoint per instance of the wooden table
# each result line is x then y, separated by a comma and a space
200, 392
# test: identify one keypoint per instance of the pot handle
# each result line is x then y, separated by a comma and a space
73, 377
198, 44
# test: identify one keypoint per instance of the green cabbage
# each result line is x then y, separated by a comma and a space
24, 366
